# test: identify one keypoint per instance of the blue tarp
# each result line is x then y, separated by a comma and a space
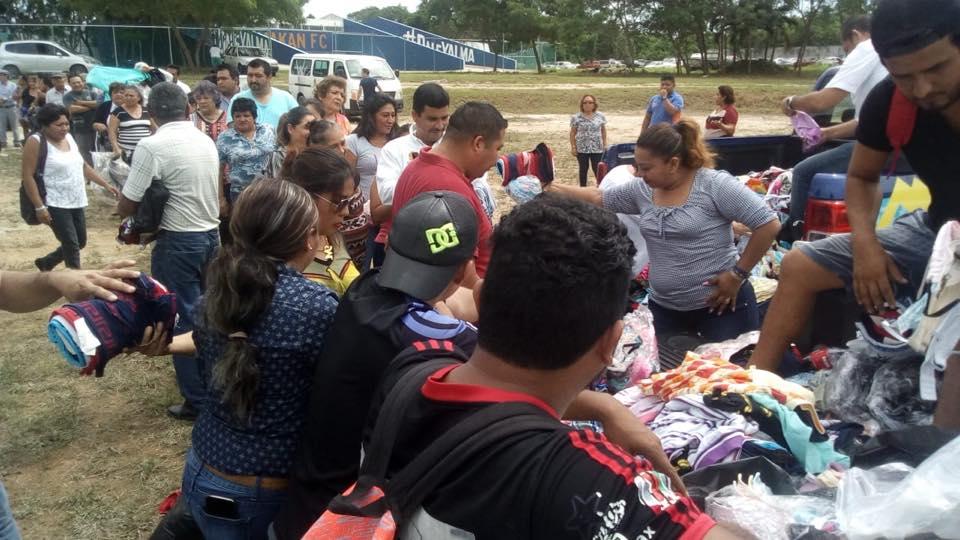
101, 76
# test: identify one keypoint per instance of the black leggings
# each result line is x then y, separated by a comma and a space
70, 227
593, 160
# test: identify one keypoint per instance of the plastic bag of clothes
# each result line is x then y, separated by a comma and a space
736, 350
119, 171
524, 189
865, 388
751, 510
635, 357
891, 501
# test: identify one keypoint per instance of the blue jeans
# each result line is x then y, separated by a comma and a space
179, 260
835, 160
713, 328
8, 527
255, 507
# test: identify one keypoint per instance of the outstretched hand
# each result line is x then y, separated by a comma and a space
77, 285
634, 436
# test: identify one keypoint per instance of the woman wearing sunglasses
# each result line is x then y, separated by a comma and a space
330, 179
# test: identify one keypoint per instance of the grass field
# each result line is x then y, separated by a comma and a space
87, 458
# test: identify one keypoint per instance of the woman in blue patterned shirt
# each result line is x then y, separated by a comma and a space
261, 327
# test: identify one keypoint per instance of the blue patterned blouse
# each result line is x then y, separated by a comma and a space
288, 339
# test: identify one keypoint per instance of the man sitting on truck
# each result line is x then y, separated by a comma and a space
860, 72
919, 43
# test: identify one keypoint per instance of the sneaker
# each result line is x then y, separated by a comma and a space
42, 264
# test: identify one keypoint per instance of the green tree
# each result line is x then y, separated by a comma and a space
395, 13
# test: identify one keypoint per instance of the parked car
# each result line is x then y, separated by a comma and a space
20, 57
592, 65
240, 56
565, 65
306, 70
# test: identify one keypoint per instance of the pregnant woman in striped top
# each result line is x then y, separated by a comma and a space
129, 123
686, 211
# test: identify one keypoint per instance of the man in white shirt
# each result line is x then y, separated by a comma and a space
174, 71
8, 109
183, 159
860, 72
55, 94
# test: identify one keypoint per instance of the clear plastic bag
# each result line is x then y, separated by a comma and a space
891, 501
636, 355
751, 510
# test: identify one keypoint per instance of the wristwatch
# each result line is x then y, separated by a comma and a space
41, 209
790, 102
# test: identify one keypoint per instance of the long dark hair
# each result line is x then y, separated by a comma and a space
367, 127
321, 171
270, 225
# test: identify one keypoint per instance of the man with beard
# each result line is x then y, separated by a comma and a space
919, 43
272, 103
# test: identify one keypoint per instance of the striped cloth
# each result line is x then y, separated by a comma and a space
691, 243
131, 129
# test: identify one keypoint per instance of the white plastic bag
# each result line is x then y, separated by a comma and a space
891, 501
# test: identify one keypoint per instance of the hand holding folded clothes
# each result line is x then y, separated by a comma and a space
77, 285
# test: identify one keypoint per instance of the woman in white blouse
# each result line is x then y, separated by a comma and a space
65, 175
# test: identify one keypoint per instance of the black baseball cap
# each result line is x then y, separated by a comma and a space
431, 237
902, 27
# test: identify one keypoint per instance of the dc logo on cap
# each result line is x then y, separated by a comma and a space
442, 238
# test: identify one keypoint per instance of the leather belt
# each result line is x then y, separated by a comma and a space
266, 482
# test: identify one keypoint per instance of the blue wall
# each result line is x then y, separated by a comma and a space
359, 39
470, 55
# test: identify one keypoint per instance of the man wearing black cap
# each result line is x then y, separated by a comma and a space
917, 109
383, 312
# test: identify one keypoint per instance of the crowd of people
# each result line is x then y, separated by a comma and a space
344, 292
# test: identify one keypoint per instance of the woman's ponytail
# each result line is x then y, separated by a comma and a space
682, 140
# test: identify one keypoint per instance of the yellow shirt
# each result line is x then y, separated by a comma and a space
333, 268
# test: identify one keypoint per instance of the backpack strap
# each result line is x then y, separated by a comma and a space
901, 120
463, 443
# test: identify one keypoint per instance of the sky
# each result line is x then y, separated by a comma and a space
319, 8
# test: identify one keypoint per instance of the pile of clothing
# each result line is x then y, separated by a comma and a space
89, 334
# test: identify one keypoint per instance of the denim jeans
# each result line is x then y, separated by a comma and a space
179, 260
70, 227
255, 506
833, 161
8, 527
668, 322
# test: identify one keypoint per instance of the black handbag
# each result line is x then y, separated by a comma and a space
141, 227
27, 210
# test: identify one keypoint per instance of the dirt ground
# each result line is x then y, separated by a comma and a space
91, 458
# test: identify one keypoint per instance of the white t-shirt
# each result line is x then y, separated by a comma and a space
860, 72
615, 178
63, 176
185, 160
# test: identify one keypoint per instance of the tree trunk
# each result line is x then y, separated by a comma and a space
184, 50
201, 44
702, 45
536, 56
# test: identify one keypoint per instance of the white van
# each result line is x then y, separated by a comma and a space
306, 70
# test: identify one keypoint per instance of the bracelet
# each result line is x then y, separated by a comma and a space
790, 102
41, 209
740, 273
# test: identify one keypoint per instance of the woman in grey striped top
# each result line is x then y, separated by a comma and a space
686, 212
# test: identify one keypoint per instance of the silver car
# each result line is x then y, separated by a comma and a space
20, 57
240, 56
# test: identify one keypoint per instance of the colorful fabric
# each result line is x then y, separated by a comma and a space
537, 162
88, 334
354, 229
333, 268
697, 375
698, 434
816, 456
211, 129
247, 158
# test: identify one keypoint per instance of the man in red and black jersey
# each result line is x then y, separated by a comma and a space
550, 319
